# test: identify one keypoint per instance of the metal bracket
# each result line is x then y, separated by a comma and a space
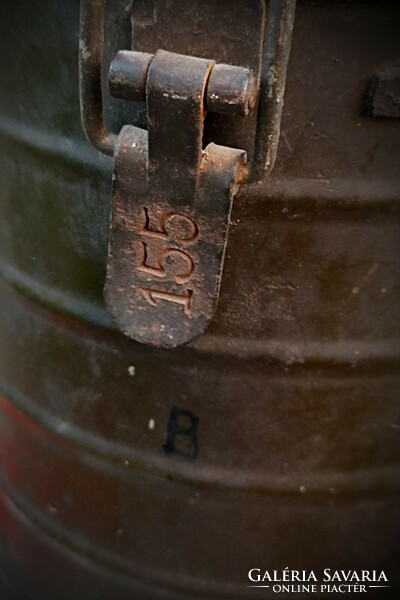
172, 199
171, 206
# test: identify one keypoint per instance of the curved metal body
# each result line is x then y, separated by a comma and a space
286, 408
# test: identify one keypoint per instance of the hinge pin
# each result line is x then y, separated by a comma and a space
231, 90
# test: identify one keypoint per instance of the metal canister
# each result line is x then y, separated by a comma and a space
271, 441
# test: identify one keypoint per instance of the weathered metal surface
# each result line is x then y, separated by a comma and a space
295, 383
383, 98
272, 86
229, 89
247, 38
171, 207
150, 300
237, 33
127, 75
91, 44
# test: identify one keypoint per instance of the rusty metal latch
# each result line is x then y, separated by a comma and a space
172, 199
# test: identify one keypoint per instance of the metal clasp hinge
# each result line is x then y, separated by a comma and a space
171, 198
